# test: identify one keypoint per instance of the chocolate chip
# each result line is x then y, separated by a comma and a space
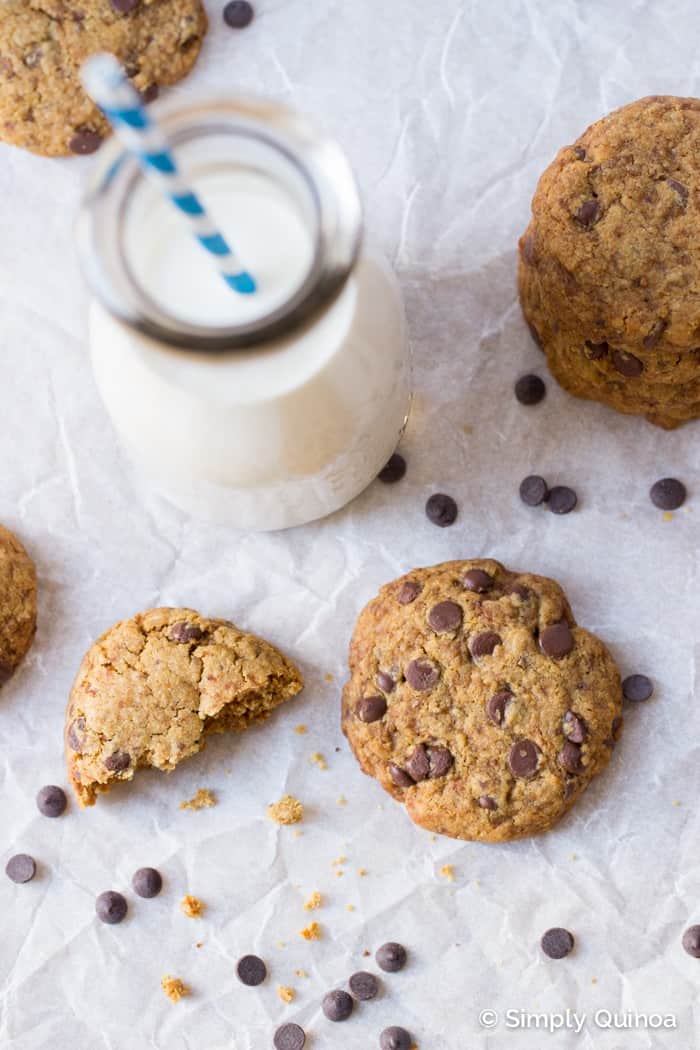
251, 970
445, 617
51, 801
533, 490
557, 640
391, 957
417, 764
520, 590
400, 776
395, 1038
530, 390
486, 802
21, 868
289, 1037
85, 141
616, 727
496, 706
440, 761
75, 733
409, 592
691, 941
182, 631
652, 338
477, 580
557, 943
441, 510
394, 470
147, 882
484, 644
668, 494
150, 94
363, 985
574, 728
637, 687
562, 500
371, 708
594, 351
626, 364
422, 675
588, 213
524, 758
570, 757
123, 7
580, 152
111, 907
238, 14
118, 761
337, 1005
385, 682
678, 188
527, 249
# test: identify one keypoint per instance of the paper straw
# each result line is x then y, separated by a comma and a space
108, 86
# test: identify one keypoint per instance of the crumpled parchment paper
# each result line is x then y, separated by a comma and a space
449, 112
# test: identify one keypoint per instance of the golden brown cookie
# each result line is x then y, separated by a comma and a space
609, 268
43, 44
477, 701
17, 602
152, 688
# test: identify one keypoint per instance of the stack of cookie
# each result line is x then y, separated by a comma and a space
610, 264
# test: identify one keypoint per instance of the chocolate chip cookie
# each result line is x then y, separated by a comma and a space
152, 688
43, 44
477, 701
17, 602
609, 271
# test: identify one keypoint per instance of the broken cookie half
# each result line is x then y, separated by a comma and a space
151, 688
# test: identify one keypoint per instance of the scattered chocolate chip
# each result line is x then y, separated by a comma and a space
394, 470
395, 1038
363, 985
391, 957
337, 1005
486, 802
422, 675
478, 581
445, 617
289, 1037
441, 510
557, 640
409, 592
562, 499
484, 644
557, 943
626, 364
417, 764
251, 970
21, 868
75, 733
150, 94
51, 801
111, 907
371, 708
574, 728
147, 882
182, 631
400, 776
117, 762
385, 682
570, 757
496, 706
594, 351
678, 188
637, 687
84, 142
651, 339
530, 390
588, 213
533, 490
691, 941
238, 14
124, 7
668, 494
440, 761
524, 758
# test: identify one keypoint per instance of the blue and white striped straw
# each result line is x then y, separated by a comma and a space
108, 85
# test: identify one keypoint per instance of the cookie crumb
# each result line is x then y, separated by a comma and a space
668, 516
301, 730
300, 973
198, 944
329, 678
342, 801
338, 861
192, 907
448, 872
285, 993
362, 872
288, 810
594, 980
174, 988
349, 907
312, 932
318, 760
204, 799
676, 802
315, 901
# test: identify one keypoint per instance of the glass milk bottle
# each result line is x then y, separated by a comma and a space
261, 411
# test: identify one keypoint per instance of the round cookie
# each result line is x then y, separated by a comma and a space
17, 602
152, 688
43, 44
477, 701
609, 272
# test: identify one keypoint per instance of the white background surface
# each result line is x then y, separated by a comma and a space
449, 111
